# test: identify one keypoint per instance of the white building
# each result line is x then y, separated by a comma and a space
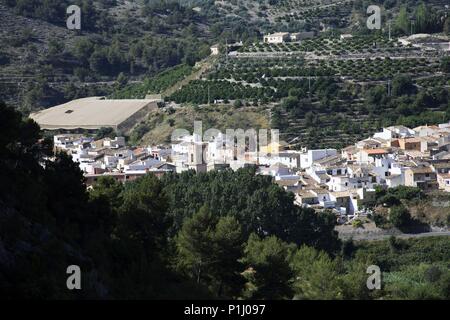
215, 50
278, 37
394, 132
116, 143
290, 159
369, 156
219, 150
141, 165
64, 141
298, 36
307, 158
346, 36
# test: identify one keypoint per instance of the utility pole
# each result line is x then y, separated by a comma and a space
209, 97
412, 21
309, 85
390, 31
226, 50
389, 87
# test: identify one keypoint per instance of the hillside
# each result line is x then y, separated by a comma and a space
131, 49
43, 63
136, 230
157, 129
350, 87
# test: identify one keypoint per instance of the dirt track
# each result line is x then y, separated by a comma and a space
371, 233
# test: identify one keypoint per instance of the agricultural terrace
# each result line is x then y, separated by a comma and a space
349, 87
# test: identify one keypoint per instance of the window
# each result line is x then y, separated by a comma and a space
192, 157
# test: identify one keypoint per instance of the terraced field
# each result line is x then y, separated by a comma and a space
318, 89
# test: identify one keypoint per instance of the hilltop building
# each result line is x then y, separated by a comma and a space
215, 50
279, 37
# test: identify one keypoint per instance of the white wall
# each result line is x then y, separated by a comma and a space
306, 160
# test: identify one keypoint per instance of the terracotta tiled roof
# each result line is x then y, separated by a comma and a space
375, 151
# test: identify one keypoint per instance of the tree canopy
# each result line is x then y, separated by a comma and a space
216, 235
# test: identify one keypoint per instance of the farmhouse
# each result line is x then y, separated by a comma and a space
278, 37
297, 36
94, 113
346, 36
281, 37
215, 50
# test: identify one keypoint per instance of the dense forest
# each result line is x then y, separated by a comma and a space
215, 235
112, 42
45, 64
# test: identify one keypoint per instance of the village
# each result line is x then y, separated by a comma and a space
343, 181
225, 150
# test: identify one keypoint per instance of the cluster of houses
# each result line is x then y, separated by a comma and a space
113, 157
343, 181
282, 37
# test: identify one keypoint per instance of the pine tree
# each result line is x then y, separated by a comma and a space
268, 271
209, 250
402, 22
227, 252
194, 244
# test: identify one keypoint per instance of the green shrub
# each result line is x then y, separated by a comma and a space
399, 216
357, 224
